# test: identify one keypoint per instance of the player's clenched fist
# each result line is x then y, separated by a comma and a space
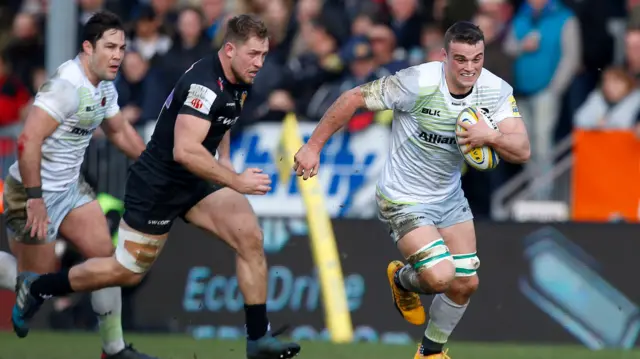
306, 162
252, 181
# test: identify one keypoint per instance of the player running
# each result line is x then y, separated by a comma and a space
178, 176
419, 193
44, 194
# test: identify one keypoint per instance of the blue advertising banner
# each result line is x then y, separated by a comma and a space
350, 165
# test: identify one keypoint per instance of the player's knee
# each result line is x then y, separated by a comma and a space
462, 288
103, 247
123, 276
467, 280
437, 279
434, 265
249, 242
136, 253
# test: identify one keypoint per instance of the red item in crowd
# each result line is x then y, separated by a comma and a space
13, 97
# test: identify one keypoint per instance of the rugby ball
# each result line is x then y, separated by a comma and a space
482, 158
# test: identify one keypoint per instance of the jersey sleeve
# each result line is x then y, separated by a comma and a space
59, 98
112, 101
507, 106
395, 92
200, 101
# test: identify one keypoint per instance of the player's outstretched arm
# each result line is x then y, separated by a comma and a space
395, 92
123, 135
337, 116
38, 126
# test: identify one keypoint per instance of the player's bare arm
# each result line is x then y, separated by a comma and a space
38, 126
337, 116
123, 135
224, 151
369, 96
188, 150
511, 140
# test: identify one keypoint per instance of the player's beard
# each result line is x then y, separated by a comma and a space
239, 76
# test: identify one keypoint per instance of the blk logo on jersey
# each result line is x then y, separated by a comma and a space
431, 112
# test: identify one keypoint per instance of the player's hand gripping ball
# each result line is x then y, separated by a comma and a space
483, 158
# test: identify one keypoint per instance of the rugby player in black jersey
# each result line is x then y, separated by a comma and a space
178, 176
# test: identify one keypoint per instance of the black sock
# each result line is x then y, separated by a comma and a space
256, 320
52, 284
430, 347
396, 280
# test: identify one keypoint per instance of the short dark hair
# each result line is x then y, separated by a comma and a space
463, 32
243, 27
98, 24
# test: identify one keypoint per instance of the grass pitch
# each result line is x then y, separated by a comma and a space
46, 345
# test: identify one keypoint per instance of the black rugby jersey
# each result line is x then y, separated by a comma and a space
202, 91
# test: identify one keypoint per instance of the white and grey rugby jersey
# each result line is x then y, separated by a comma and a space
70, 98
423, 164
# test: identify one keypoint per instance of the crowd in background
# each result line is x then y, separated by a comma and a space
571, 62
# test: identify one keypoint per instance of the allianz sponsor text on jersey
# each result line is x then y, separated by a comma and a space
349, 168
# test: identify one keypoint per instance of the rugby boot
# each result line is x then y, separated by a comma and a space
127, 353
269, 347
26, 304
407, 303
442, 355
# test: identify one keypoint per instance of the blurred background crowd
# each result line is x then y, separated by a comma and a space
572, 63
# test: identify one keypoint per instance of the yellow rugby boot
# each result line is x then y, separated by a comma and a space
442, 355
407, 303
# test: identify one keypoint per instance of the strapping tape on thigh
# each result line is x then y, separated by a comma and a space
137, 252
430, 255
466, 264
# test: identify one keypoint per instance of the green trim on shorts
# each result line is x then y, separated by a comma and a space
379, 193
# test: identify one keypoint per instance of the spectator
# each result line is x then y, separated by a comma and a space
595, 18
214, 15
406, 22
383, 45
140, 96
543, 69
362, 24
25, 51
431, 40
632, 51
147, 39
188, 47
308, 72
496, 60
614, 106
14, 98
358, 56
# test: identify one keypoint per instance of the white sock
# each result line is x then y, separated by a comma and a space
8, 271
444, 316
107, 304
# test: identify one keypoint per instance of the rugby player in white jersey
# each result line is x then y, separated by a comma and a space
45, 195
419, 193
